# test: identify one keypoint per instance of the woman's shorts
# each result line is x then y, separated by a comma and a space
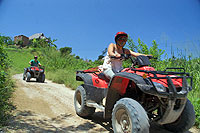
109, 73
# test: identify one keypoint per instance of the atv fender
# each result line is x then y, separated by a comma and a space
84, 77
92, 93
117, 88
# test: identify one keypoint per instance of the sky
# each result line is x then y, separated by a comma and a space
89, 26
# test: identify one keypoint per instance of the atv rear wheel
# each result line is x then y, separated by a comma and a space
130, 117
80, 103
28, 76
185, 121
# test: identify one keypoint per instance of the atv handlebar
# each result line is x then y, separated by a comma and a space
123, 56
127, 56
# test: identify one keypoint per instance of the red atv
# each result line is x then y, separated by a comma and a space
34, 72
137, 96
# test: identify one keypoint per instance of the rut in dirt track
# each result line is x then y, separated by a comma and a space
48, 107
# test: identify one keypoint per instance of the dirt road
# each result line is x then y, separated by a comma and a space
48, 107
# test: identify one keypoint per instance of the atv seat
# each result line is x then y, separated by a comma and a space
103, 77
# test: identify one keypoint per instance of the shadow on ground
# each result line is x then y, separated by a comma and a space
28, 121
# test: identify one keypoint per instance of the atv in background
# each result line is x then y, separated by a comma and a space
34, 72
137, 96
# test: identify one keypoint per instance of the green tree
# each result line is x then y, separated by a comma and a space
131, 44
143, 48
102, 54
6, 40
66, 50
155, 51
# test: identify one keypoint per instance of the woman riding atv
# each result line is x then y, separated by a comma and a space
114, 65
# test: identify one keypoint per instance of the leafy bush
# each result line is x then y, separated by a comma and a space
5, 86
42, 43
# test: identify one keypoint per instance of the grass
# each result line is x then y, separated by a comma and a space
19, 59
64, 77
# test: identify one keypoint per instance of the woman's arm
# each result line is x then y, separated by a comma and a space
133, 53
30, 62
111, 48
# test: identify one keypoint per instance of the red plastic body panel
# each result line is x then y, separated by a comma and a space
119, 84
97, 82
36, 68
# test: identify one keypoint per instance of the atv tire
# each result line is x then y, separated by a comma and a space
28, 76
130, 117
24, 77
42, 79
80, 103
185, 121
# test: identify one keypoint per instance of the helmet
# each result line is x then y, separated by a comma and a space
120, 34
35, 57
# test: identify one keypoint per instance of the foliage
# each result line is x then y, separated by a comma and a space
5, 85
196, 104
102, 54
42, 43
20, 43
6, 40
143, 48
66, 50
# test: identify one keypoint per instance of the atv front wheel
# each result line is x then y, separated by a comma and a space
80, 103
24, 77
28, 76
43, 78
128, 116
185, 121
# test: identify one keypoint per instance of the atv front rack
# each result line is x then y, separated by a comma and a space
173, 93
165, 72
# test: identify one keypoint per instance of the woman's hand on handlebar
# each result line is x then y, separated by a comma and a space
150, 56
121, 56
118, 55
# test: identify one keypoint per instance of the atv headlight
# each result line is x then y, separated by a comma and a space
159, 87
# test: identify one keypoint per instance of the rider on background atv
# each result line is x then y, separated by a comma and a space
34, 62
113, 65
